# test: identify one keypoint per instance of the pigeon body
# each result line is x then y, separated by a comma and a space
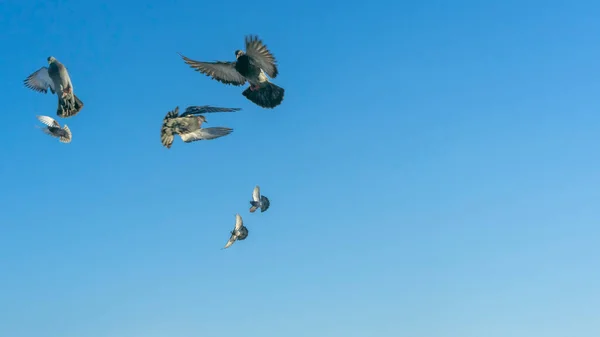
240, 232
253, 66
259, 201
53, 129
189, 125
56, 78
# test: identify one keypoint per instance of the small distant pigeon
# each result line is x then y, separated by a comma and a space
240, 232
252, 66
259, 201
53, 129
56, 78
188, 125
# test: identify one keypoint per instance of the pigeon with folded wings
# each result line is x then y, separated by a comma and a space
253, 66
56, 78
189, 125
259, 201
240, 232
53, 129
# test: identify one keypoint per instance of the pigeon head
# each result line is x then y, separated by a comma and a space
202, 119
51, 59
238, 53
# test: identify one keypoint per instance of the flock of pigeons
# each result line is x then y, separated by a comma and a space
252, 66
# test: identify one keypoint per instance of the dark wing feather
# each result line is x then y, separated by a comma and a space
223, 72
261, 56
166, 133
200, 109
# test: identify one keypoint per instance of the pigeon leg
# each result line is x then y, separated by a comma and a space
67, 91
254, 87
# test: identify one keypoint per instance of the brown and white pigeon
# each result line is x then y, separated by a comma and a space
240, 232
189, 125
252, 65
56, 78
53, 129
259, 201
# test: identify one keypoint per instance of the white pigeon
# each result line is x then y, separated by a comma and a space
240, 232
259, 201
53, 129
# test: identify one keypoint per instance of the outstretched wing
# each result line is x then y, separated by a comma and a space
256, 193
205, 134
49, 121
166, 133
221, 71
238, 222
200, 109
40, 81
231, 241
261, 56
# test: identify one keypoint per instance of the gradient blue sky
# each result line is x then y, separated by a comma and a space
433, 172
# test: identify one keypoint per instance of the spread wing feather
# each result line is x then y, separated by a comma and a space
221, 71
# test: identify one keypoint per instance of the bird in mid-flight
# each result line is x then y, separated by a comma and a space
240, 232
252, 65
56, 78
259, 201
53, 129
188, 125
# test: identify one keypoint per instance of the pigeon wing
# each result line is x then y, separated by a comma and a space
205, 134
231, 241
40, 81
221, 71
200, 109
49, 121
261, 56
238, 222
256, 194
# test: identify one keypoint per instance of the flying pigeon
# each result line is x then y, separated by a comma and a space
252, 66
53, 129
240, 232
188, 125
56, 78
259, 201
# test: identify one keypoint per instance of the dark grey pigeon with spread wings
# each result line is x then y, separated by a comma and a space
189, 125
53, 129
56, 78
240, 232
253, 66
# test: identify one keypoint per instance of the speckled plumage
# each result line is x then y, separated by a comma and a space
53, 129
189, 125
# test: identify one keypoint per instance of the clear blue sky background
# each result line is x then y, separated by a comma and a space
433, 172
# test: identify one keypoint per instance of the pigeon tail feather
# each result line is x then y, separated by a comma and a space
268, 96
65, 109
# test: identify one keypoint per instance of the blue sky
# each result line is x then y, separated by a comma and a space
432, 170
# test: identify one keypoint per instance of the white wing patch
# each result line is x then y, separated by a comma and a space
238, 222
49, 121
205, 134
256, 193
